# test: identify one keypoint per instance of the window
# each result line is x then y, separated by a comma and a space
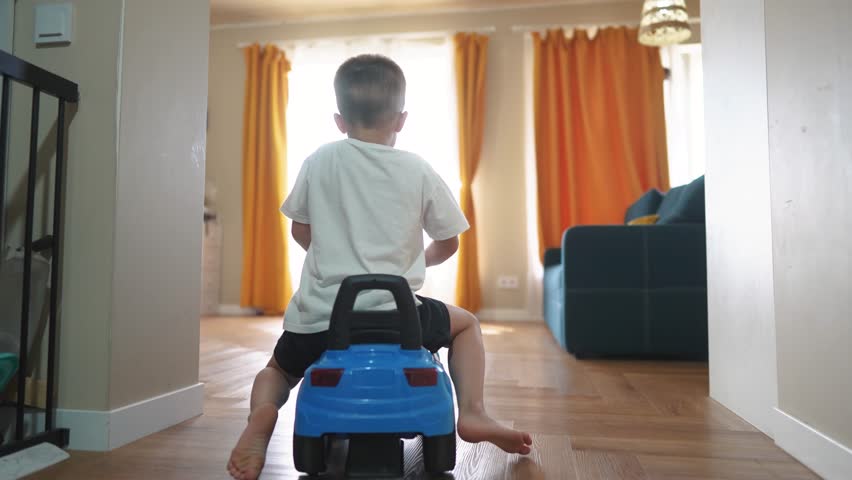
684, 99
430, 131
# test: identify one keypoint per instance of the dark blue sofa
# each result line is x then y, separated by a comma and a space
633, 290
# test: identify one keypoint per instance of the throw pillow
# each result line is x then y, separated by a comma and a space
646, 220
647, 204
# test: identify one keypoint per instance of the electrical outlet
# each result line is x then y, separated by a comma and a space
507, 282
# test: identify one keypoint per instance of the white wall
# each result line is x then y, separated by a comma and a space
778, 90
809, 80
133, 212
159, 199
7, 24
91, 61
7, 35
739, 238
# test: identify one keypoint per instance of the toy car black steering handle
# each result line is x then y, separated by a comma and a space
340, 325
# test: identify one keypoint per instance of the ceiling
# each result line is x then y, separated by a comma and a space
247, 11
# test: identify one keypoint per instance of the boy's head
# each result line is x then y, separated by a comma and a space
370, 92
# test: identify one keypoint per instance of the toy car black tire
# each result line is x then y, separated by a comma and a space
309, 454
439, 453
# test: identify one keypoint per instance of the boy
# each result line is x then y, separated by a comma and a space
360, 206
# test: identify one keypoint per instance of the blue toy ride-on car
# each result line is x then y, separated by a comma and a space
374, 385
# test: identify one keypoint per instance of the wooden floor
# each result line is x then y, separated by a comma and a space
591, 420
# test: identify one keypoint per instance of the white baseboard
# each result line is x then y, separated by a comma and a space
507, 315
89, 429
103, 431
228, 310
141, 419
828, 458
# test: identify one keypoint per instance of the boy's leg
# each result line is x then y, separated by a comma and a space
467, 367
271, 386
270, 390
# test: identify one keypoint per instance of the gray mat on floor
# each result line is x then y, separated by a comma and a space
31, 460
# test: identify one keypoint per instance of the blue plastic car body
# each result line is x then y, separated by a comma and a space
375, 384
374, 395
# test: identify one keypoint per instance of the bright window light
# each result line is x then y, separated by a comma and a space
684, 103
430, 131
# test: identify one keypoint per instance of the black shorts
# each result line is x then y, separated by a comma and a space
295, 352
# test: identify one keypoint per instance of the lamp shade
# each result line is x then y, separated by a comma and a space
664, 22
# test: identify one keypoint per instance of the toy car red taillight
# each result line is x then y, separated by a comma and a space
326, 377
421, 377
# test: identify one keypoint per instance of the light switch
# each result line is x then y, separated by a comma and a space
53, 23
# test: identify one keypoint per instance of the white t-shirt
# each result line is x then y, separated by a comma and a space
367, 205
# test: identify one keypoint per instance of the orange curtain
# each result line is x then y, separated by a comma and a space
471, 54
266, 279
600, 134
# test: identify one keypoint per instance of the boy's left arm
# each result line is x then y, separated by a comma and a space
302, 234
443, 220
296, 207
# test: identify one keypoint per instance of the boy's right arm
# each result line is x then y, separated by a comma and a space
439, 251
302, 234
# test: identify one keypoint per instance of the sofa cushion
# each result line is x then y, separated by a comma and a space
552, 256
676, 256
684, 204
670, 203
647, 204
603, 256
554, 295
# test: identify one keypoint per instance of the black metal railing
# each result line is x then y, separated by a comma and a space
41, 81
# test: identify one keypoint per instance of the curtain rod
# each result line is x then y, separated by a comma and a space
585, 26
404, 35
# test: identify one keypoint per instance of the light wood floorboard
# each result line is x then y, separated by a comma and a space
591, 420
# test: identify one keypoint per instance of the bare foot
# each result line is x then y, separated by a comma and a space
248, 457
477, 426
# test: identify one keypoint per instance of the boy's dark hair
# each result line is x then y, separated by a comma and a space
370, 90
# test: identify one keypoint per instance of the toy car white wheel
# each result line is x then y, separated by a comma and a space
439, 453
309, 454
